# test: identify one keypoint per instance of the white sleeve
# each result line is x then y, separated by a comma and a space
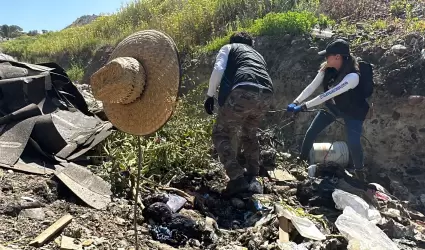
350, 81
219, 68
311, 87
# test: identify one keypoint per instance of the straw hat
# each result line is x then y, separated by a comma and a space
140, 82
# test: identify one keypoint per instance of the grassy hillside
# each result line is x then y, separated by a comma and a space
190, 22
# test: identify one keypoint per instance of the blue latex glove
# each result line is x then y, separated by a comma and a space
300, 108
291, 107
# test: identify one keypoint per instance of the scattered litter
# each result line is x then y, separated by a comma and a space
51, 231
90, 188
361, 233
175, 202
304, 226
343, 199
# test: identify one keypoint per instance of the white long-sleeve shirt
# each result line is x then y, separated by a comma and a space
350, 81
218, 71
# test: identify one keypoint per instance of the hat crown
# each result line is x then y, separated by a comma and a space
121, 80
339, 46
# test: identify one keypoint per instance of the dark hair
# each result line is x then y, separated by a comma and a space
349, 65
242, 37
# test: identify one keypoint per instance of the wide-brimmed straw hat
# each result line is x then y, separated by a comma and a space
140, 82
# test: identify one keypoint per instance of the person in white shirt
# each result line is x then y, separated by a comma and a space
339, 76
245, 95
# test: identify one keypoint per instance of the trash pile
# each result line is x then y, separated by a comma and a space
46, 128
330, 210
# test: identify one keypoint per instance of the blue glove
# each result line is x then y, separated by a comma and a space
291, 107
300, 108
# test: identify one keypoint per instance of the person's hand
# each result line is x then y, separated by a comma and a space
300, 108
209, 105
291, 107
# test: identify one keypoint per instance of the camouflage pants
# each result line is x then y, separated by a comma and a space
244, 110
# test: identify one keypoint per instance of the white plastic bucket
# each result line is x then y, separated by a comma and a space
337, 152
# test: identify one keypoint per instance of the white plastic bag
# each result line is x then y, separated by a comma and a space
343, 199
361, 233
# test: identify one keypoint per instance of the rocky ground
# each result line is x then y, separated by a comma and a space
207, 220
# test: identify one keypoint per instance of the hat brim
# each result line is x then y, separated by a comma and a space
322, 53
159, 56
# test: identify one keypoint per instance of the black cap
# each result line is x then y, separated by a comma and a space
339, 46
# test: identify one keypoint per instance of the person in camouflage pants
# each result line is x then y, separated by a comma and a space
245, 96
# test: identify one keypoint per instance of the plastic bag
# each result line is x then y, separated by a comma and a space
361, 233
343, 199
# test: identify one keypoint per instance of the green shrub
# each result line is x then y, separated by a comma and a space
290, 22
75, 72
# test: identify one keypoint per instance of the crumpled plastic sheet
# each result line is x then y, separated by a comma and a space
344, 199
361, 233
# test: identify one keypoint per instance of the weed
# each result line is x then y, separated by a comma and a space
75, 72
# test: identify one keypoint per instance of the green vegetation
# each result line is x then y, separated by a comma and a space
290, 22
182, 145
189, 23
76, 72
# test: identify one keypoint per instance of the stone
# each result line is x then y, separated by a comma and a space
33, 213
120, 221
396, 230
67, 243
399, 49
400, 191
123, 243
415, 100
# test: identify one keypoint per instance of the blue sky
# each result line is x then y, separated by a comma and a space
52, 14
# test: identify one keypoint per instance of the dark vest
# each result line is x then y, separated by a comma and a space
350, 103
244, 64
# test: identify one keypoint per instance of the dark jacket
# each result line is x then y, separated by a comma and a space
350, 103
244, 64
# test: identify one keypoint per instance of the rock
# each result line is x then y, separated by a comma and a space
423, 55
194, 243
123, 243
33, 213
397, 230
50, 213
191, 214
415, 100
67, 243
120, 221
400, 191
399, 49
130, 233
